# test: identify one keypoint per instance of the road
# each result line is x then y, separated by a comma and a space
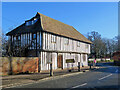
107, 77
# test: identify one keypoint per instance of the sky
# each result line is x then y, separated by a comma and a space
101, 17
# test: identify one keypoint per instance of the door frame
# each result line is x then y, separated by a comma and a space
60, 61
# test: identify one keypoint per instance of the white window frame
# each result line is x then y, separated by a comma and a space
53, 38
87, 46
66, 41
78, 44
34, 21
28, 23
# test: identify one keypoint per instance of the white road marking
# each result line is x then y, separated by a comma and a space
80, 85
105, 76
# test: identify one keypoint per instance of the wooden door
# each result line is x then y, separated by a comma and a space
60, 61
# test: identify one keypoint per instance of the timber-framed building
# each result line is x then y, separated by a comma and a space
51, 40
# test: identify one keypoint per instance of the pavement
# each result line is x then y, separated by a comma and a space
105, 77
25, 79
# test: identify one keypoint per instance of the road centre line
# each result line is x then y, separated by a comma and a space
105, 76
80, 85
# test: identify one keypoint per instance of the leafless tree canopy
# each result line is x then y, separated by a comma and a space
102, 47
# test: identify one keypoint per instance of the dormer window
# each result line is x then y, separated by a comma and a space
35, 20
28, 23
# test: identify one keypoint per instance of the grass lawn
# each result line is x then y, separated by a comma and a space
101, 61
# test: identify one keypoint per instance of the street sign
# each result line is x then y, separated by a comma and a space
70, 61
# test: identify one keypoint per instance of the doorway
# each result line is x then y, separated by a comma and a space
60, 61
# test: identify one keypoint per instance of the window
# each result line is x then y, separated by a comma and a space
33, 36
28, 23
78, 44
34, 21
66, 41
17, 37
76, 58
84, 57
49, 57
53, 38
87, 46
72, 45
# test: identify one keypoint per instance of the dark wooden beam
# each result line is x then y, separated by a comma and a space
41, 39
60, 51
36, 44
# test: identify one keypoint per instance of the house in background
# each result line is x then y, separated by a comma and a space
116, 58
51, 40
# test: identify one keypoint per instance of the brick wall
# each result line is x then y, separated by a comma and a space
116, 56
18, 65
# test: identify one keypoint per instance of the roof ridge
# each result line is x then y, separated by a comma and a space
53, 19
51, 25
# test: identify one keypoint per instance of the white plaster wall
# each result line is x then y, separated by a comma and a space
54, 60
70, 47
46, 66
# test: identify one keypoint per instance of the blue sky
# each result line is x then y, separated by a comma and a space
101, 17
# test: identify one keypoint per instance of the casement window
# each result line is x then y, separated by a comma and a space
34, 21
17, 37
84, 57
76, 58
28, 23
49, 57
66, 41
78, 44
87, 46
34, 36
53, 38
72, 45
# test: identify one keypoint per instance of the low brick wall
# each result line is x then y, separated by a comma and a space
18, 65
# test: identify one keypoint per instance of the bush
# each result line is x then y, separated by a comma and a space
90, 61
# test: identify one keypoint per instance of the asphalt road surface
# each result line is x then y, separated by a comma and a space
107, 77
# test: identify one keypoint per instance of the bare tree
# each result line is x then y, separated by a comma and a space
102, 47
95, 37
4, 44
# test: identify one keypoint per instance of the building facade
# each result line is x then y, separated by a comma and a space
50, 40
116, 58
